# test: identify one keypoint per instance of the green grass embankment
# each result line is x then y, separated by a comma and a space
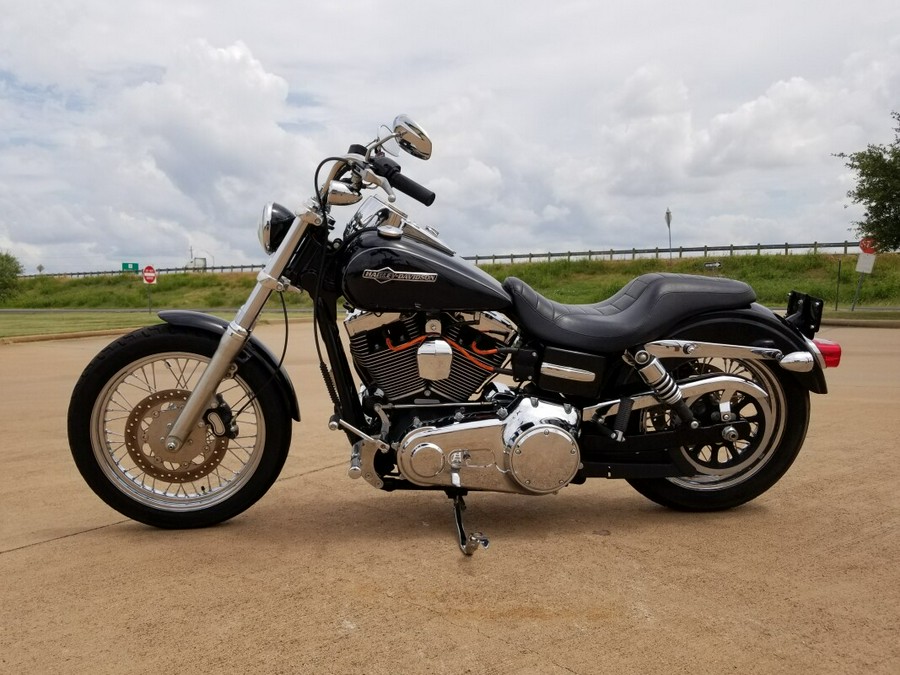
578, 281
771, 276
128, 291
88, 301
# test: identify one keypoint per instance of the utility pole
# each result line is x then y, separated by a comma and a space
669, 226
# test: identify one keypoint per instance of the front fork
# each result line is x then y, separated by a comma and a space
238, 332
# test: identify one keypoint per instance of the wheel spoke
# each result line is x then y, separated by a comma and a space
132, 417
724, 463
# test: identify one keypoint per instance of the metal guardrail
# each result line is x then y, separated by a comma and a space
843, 247
219, 269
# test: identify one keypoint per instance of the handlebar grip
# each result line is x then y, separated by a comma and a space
388, 168
411, 188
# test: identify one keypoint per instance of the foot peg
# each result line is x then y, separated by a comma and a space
468, 543
355, 470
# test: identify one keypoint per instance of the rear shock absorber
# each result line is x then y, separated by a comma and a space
666, 389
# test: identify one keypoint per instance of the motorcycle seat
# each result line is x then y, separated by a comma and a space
641, 311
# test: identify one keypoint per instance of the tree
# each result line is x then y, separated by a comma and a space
10, 269
878, 190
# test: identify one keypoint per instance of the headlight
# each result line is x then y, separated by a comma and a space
273, 226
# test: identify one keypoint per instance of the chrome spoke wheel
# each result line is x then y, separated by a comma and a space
130, 420
728, 462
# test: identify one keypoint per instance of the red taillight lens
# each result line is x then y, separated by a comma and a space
831, 352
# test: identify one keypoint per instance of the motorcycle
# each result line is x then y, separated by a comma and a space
682, 385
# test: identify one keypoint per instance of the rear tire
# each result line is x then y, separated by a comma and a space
118, 418
732, 474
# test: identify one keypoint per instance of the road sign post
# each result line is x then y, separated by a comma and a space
864, 265
150, 276
669, 227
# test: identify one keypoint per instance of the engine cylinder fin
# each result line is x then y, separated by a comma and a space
378, 352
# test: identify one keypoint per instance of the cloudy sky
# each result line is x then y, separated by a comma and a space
140, 130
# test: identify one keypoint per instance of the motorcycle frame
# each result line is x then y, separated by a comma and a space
292, 266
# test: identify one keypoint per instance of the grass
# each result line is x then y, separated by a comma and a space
57, 322
128, 291
577, 281
772, 276
61, 322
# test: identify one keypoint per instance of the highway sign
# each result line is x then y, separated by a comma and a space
150, 275
865, 263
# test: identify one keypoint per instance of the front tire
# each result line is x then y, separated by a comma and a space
731, 474
118, 418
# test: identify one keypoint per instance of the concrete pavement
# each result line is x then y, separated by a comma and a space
328, 575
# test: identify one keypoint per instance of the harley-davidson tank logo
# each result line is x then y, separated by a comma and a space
386, 274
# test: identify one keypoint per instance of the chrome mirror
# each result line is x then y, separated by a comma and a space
412, 138
341, 194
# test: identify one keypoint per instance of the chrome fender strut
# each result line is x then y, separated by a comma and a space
690, 390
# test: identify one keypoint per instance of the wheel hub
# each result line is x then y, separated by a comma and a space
146, 430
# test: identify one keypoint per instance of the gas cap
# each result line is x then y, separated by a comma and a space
390, 231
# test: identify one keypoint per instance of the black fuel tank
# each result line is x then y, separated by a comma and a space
402, 274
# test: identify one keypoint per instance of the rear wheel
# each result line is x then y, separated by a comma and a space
730, 473
127, 399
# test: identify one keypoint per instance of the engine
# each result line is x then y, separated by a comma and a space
529, 449
511, 443
413, 357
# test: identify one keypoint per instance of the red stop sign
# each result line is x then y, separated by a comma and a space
149, 273
867, 245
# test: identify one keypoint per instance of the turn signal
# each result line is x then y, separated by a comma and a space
830, 351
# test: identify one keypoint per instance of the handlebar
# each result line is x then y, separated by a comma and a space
390, 170
378, 170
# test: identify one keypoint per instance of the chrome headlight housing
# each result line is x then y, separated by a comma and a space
274, 224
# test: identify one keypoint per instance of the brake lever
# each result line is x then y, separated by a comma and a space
370, 176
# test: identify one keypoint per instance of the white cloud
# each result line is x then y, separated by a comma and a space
127, 131
152, 166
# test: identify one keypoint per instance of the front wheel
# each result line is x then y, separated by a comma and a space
732, 473
127, 399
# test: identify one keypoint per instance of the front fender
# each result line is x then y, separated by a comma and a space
253, 349
756, 326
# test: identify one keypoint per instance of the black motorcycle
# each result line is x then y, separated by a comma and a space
682, 385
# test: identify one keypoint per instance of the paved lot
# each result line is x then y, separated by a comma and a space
329, 575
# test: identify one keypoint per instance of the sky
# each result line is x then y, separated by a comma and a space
149, 131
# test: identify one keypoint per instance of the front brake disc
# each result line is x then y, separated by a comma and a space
146, 430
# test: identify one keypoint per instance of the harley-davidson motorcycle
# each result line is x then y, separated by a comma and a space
682, 385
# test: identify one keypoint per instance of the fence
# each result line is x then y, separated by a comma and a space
843, 247
219, 269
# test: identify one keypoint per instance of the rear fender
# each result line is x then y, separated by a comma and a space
756, 326
253, 349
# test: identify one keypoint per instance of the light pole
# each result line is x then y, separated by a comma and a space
669, 226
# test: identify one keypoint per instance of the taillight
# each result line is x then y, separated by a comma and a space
830, 351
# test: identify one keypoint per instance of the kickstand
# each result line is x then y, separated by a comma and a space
468, 544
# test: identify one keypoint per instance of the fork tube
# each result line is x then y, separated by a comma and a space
237, 334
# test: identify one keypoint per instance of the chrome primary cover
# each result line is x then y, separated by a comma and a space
542, 454
532, 451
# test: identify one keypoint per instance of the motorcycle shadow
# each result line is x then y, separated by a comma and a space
592, 512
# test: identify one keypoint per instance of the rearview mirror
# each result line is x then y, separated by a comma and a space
412, 138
